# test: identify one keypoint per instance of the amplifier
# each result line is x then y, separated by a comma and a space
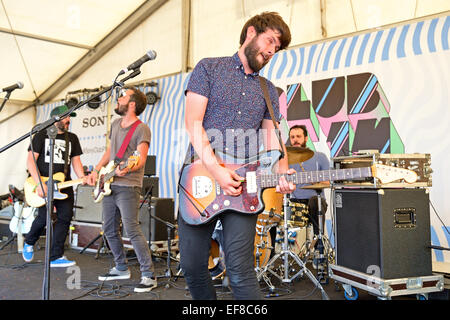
82, 233
419, 163
86, 209
386, 231
150, 166
153, 229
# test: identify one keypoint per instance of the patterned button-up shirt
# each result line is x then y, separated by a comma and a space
236, 105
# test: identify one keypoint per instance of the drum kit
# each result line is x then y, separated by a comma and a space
281, 235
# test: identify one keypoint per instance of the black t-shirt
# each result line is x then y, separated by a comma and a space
41, 145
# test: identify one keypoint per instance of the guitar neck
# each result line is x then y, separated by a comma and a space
71, 183
111, 174
271, 180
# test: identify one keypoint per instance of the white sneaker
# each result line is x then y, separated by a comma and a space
115, 274
146, 285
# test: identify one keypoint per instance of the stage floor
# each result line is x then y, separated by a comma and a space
24, 281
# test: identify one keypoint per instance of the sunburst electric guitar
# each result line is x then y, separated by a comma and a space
201, 197
34, 200
107, 173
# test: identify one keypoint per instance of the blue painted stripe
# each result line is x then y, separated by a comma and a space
339, 139
444, 33
416, 38
320, 55
325, 95
445, 229
401, 42
271, 66
294, 63
386, 146
387, 44
310, 58
430, 35
291, 91
302, 60
367, 91
435, 242
362, 49
375, 44
282, 66
348, 59
337, 59
328, 54
329, 226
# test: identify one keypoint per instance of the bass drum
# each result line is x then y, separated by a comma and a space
273, 208
216, 261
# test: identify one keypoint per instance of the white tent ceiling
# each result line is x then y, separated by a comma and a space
41, 40
47, 44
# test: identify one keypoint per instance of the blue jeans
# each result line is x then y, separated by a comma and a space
123, 204
238, 244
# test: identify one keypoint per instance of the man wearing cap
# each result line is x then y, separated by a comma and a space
67, 151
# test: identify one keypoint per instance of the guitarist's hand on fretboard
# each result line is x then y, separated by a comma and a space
92, 178
283, 185
123, 172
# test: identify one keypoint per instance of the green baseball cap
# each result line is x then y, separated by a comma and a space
60, 110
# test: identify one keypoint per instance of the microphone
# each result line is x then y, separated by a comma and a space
150, 55
18, 85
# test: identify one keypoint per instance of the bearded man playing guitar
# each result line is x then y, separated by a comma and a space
225, 111
128, 135
67, 151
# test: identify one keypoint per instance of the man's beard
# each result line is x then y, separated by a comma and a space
121, 109
62, 126
303, 145
251, 52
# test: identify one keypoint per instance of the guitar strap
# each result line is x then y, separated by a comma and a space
263, 84
66, 155
126, 141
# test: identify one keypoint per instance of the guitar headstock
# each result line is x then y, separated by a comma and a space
387, 174
132, 161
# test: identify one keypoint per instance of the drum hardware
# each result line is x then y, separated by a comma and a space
285, 254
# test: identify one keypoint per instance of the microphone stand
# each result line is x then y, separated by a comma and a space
52, 132
5, 99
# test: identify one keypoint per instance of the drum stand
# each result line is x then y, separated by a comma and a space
285, 253
323, 246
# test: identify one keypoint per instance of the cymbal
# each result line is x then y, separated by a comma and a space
298, 154
317, 186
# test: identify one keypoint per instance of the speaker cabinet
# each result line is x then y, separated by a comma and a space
86, 209
153, 229
150, 166
150, 184
384, 232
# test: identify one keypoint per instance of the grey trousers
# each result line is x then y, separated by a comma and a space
123, 203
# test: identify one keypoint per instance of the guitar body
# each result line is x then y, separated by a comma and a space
103, 185
33, 199
107, 173
201, 197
